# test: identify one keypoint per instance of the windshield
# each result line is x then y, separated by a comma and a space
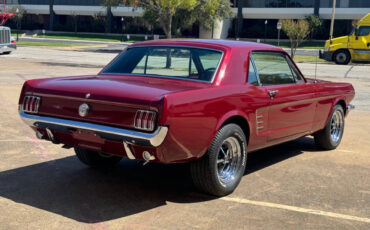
171, 62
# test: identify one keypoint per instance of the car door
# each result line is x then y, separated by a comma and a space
292, 105
360, 43
259, 100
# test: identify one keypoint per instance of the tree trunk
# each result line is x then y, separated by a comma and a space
166, 26
169, 27
291, 48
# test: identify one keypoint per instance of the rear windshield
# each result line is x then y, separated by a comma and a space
174, 62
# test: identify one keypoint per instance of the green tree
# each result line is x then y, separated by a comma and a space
207, 12
314, 24
163, 11
297, 31
19, 14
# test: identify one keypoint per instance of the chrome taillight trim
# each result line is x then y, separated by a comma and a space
141, 120
31, 104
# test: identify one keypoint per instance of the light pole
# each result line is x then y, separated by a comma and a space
332, 20
122, 20
17, 11
265, 29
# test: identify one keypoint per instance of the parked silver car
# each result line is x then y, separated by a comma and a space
7, 42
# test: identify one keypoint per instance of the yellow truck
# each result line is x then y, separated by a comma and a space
355, 46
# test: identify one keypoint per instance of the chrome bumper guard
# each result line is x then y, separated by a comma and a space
154, 139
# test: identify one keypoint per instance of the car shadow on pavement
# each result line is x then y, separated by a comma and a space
68, 188
275, 154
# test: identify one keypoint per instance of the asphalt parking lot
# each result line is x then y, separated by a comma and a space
289, 186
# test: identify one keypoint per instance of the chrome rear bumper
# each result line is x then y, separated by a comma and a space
128, 136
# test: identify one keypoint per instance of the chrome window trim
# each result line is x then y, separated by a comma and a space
287, 59
169, 77
251, 60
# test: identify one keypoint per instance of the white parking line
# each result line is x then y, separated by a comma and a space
366, 192
297, 209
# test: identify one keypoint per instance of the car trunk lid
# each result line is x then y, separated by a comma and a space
113, 100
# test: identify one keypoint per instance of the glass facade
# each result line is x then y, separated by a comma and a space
346, 3
277, 3
302, 3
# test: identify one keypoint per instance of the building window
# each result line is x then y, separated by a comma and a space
277, 3
345, 3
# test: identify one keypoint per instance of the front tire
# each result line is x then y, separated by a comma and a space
342, 57
330, 137
220, 170
96, 159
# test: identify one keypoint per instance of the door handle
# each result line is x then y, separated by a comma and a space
272, 93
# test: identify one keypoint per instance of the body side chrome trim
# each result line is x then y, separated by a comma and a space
148, 139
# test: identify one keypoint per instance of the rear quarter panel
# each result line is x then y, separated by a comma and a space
195, 116
328, 95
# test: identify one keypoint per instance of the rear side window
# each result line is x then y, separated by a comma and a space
273, 68
175, 62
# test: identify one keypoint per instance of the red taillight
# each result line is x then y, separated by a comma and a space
31, 104
13, 42
145, 120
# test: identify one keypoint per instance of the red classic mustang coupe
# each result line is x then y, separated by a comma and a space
207, 102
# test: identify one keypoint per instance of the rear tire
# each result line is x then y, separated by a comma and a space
220, 170
342, 57
330, 137
96, 159
6, 53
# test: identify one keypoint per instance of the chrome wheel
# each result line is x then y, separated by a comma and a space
336, 126
220, 170
229, 160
